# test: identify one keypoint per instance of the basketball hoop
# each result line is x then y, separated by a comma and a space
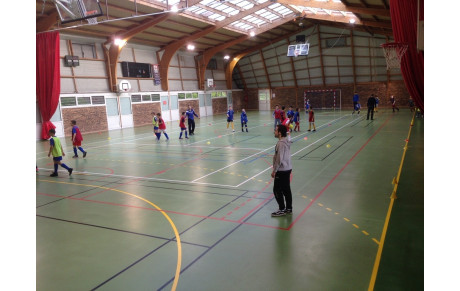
296, 53
393, 53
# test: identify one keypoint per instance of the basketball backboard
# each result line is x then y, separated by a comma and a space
74, 10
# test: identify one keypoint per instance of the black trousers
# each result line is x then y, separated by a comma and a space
282, 189
191, 125
371, 111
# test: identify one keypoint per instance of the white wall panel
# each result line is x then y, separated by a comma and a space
92, 85
314, 62
273, 70
315, 72
316, 81
67, 85
271, 62
288, 75
303, 82
175, 85
126, 55
191, 85
174, 61
261, 79
174, 73
63, 49
345, 71
277, 84
189, 73
300, 65
363, 71
345, 61
260, 72
145, 56
65, 71
360, 79
275, 77
257, 65
331, 71
269, 53
360, 41
289, 83
90, 68
332, 80
219, 75
255, 58
147, 85
301, 74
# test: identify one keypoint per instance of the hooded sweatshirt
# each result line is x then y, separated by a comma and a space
282, 157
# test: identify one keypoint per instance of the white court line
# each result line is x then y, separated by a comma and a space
187, 145
252, 156
141, 178
299, 150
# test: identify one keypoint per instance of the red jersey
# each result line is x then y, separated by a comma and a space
162, 124
182, 122
311, 116
286, 122
277, 114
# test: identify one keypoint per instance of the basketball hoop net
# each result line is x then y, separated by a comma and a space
296, 53
393, 53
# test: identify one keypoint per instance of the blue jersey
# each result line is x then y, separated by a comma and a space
355, 98
230, 114
190, 114
244, 117
296, 116
290, 113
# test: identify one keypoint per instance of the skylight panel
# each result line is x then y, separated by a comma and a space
267, 14
206, 2
216, 17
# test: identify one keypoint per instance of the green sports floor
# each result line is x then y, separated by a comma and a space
137, 214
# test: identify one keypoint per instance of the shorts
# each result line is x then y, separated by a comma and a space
155, 128
183, 128
229, 120
77, 143
311, 119
57, 158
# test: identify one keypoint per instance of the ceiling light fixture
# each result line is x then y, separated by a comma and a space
352, 20
190, 47
119, 42
174, 8
226, 57
252, 33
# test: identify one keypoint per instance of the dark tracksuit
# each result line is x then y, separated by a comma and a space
370, 107
282, 167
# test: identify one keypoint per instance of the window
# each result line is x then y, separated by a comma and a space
218, 94
146, 98
135, 98
192, 95
84, 100
336, 42
181, 95
68, 101
155, 97
98, 100
87, 51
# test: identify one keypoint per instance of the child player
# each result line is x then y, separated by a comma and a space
296, 119
155, 126
76, 139
182, 126
230, 117
277, 116
244, 120
311, 120
161, 127
287, 123
58, 152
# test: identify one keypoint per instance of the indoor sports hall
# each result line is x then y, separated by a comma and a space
139, 203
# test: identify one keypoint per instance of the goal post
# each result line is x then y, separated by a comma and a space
323, 99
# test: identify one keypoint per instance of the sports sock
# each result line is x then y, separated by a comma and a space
81, 149
167, 137
180, 136
64, 166
75, 151
186, 134
56, 168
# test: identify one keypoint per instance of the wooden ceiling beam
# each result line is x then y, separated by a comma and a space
47, 22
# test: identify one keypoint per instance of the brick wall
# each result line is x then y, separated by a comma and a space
142, 112
89, 119
195, 103
219, 105
294, 97
250, 103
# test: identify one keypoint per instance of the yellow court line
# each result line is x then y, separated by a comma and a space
176, 233
387, 219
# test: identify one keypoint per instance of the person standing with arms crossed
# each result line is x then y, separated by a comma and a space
230, 113
190, 118
281, 173
370, 106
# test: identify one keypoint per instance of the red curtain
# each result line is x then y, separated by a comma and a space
48, 78
404, 23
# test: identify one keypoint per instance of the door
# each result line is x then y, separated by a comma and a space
165, 108
126, 112
264, 100
174, 107
113, 116
208, 103
202, 101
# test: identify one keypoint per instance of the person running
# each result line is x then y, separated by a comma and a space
311, 120
277, 116
355, 101
77, 138
244, 120
281, 173
156, 126
58, 152
182, 126
230, 118
161, 127
190, 118
296, 119
393, 103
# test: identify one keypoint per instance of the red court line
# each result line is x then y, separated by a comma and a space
336, 175
152, 209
